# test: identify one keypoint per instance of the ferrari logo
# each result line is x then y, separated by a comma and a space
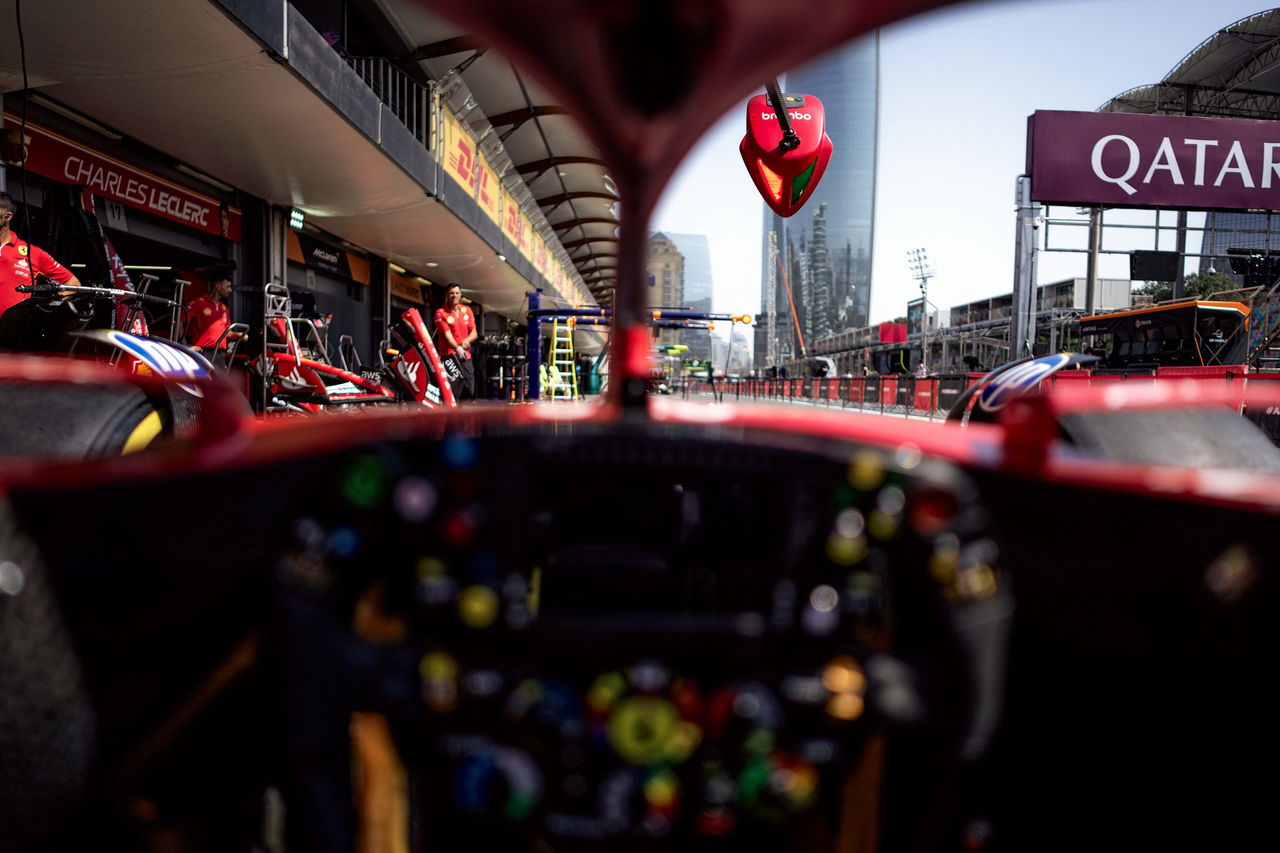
23, 250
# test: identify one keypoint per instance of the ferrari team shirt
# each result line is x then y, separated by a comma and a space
459, 323
20, 263
207, 319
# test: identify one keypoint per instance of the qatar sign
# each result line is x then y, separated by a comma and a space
1126, 160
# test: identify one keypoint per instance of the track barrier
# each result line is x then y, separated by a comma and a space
933, 396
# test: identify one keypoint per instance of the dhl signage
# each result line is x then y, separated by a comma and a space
469, 168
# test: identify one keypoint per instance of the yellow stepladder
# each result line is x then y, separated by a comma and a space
563, 373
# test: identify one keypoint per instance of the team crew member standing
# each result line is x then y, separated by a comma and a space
21, 262
208, 318
455, 332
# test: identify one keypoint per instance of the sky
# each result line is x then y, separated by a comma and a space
956, 88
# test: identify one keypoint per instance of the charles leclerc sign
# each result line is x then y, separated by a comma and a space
55, 156
1126, 160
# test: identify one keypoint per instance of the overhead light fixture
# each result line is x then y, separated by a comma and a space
502, 257
432, 264
296, 219
201, 176
78, 118
396, 268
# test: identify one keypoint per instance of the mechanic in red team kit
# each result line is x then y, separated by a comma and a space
21, 262
208, 318
455, 332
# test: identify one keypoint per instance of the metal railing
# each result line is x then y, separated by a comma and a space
408, 100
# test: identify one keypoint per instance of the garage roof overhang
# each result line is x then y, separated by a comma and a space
267, 106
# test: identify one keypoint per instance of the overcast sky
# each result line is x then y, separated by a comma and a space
956, 90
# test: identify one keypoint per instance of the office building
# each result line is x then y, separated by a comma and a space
697, 286
665, 264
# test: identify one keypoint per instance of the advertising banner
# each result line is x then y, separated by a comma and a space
1126, 160
470, 169
539, 254
55, 156
515, 225
526, 237
459, 150
319, 255
406, 288
488, 190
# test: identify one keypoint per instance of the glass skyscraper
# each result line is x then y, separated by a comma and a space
826, 247
1245, 233
697, 286
1225, 229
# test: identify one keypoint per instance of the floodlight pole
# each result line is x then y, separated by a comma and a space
1181, 244
1095, 249
919, 263
1022, 323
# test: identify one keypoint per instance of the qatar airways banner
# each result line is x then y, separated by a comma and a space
1125, 160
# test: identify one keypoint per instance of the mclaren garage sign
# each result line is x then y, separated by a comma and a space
1126, 160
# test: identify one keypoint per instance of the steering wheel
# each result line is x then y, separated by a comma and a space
585, 687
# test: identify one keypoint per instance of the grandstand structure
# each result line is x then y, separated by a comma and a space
1235, 73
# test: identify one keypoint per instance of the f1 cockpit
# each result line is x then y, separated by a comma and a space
649, 624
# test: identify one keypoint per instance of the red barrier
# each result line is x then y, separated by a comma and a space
888, 391
926, 396
833, 389
1236, 374
1072, 377
1221, 371
857, 389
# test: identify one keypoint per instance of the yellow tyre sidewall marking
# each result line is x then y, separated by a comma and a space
144, 433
